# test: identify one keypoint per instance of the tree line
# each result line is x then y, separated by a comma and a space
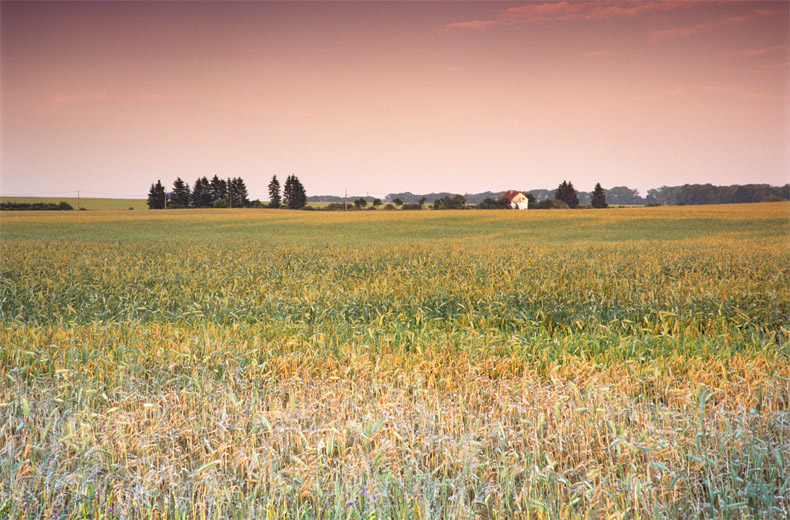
623, 195
35, 206
222, 193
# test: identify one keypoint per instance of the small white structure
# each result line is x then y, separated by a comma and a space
517, 199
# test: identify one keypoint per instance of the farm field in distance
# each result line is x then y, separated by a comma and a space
84, 202
620, 363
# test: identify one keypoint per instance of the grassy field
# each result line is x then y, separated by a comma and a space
624, 363
84, 202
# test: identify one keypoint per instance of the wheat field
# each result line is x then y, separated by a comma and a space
229, 364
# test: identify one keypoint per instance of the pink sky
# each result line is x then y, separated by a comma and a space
108, 97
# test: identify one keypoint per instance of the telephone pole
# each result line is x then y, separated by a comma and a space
345, 199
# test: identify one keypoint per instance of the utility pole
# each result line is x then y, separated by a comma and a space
345, 199
165, 196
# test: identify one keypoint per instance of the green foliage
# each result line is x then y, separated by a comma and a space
454, 202
545, 204
218, 189
35, 206
180, 197
220, 203
294, 195
201, 193
156, 196
360, 203
567, 193
598, 197
237, 192
397, 202
275, 199
490, 203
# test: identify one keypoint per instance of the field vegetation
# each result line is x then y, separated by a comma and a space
84, 202
629, 363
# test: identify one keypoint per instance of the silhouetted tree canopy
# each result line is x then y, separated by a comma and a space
598, 197
567, 194
294, 195
156, 196
274, 193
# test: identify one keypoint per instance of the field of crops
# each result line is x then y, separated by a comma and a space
622, 363
84, 202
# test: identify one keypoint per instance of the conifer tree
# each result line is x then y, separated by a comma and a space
567, 194
156, 196
598, 197
294, 195
274, 193
180, 196
201, 193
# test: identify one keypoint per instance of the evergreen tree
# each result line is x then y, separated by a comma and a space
201, 193
567, 194
239, 193
274, 193
180, 195
156, 196
599, 197
294, 195
219, 189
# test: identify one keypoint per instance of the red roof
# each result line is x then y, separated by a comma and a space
510, 195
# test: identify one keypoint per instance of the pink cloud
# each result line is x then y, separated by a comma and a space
474, 25
563, 11
691, 30
750, 53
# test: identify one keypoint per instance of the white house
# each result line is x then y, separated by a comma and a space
517, 199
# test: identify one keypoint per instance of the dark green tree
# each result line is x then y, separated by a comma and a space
294, 195
567, 194
180, 195
237, 193
274, 193
489, 203
156, 196
624, 195
376, 203
454, 202
201, 193
422, 201
360, 203
598, 197
398, 202
219, 189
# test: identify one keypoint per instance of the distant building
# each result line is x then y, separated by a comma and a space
517, 199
